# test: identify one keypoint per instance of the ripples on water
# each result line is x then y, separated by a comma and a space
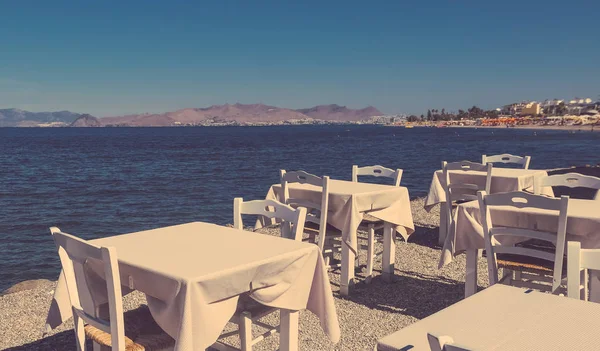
101, 182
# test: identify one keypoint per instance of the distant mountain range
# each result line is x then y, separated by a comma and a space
216, 114
13, 117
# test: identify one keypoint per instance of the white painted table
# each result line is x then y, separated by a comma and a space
192, 275
348, 202
583, 225
505, 318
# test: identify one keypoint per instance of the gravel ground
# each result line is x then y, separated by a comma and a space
372, 311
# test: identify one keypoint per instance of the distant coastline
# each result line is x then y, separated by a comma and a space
578, 128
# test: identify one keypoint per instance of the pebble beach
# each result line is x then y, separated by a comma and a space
372, 310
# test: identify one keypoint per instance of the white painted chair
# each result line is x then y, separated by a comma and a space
316, 217
369, 223
579, 261
507, 158
377, 171
121, 332
292, 220
459, 192
250, 312
533, 263
571, 180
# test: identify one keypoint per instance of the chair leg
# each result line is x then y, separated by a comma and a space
288, 333
79, 333
245, 331
370, 253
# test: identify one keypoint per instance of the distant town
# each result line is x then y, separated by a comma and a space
552, 112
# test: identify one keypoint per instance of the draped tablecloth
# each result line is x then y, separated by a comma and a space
503, 180
348, 202
505, 318
583, 225
192, 275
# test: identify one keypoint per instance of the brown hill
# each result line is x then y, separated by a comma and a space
339, 113
241, 113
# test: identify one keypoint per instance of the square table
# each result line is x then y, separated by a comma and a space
192, 275
505, 318
503, 180
583, 225
348, 202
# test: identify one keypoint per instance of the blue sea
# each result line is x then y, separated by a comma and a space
95, 182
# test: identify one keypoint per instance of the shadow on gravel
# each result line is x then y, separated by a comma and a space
425, 236
58, 342
410, 293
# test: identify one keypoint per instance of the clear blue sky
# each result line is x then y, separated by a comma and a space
117, 57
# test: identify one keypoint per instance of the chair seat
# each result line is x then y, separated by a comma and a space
529, 264
141, 332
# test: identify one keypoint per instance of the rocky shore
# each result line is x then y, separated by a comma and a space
371, 312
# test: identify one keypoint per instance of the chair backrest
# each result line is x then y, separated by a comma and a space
520, 200
377, 171
507, 158
456, 191
571, 180
577, 260
74, 253
292, 225
316, 212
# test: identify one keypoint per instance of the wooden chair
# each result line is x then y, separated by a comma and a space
460, 192
507, 158
533, 262
578, 262
249, 311
377, 171
369, 223
571, 180
292, 220
329, 238
134, 330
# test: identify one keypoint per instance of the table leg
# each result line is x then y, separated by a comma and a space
288, 331
347, 278
471, 273
443, 229
389, 252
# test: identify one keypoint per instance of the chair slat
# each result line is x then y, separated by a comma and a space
523, 251
524, 233
507, 158
293, 219
377, 171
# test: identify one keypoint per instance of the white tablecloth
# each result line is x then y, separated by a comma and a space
504, 318
348, 201
503, 180
192, 275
